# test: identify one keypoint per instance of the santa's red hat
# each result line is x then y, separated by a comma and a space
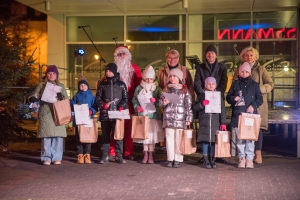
121, 47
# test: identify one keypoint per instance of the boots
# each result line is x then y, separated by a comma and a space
87, 159
212, 162
242, 162
150, 157
80, 159
249, 164
144, 161
206, 162
258, 156
104, 159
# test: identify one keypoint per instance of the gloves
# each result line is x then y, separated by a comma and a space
60, 96
120, 109
250, 109
205, 102
90, 112
140, 109
223, 127
152, 100
33, 99
105, 106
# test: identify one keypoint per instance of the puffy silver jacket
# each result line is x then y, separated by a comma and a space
175, 115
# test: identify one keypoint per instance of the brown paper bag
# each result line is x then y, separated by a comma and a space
140, 127
62, 112
119, 129
248, 126
88, 134
188, 141
222, 144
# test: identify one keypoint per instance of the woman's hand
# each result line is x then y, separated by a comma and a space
166, 101
250, 109
237, 98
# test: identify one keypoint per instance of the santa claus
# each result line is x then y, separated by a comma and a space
131, 75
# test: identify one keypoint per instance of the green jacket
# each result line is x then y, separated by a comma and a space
156, 94
46, 126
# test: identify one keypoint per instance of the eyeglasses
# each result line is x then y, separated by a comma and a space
172, 58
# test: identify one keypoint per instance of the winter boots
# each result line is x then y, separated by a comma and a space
80, 159
208, 162
150, 157
145, 159
242, 162
87, 159
104, 159
258, 156
249, 164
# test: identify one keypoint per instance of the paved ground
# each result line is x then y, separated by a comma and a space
23, 177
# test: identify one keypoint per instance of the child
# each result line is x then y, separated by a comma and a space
216, 120
83, 96
155, 132
176, 116
51, 135
244, 87
111, 95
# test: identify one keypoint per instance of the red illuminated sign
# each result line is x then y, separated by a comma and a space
270, 33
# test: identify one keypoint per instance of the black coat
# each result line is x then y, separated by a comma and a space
204, 70
108, 90
252, 96
204, 120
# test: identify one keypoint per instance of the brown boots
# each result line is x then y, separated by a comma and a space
86, 158
245, 163
148, 157
258, 157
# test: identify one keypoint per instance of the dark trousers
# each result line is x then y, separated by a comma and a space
108, 128
258, 143
82, 148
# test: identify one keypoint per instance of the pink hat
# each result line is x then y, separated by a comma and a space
210, 79
245, 67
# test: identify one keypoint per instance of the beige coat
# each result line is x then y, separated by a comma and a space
163, 78
261, 76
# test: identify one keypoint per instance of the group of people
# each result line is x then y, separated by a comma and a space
123, 82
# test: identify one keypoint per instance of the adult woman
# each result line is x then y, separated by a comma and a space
262, 77
51, 135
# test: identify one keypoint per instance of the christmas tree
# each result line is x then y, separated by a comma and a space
15, 68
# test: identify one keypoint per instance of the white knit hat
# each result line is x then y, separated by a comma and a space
177, 72
245, 67
149, 72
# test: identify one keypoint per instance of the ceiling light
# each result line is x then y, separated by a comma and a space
185, 4
47, 5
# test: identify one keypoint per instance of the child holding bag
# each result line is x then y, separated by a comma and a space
176, 116
155, 132
209, 124
83, 96
246, 89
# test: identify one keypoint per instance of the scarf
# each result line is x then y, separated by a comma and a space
175, 86
147, 87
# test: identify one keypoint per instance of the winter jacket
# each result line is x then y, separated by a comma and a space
204, 70
252, 96
156, 94
261, 76
176, 115
83, 97
108, 90
204, 120
46, 126
163, 78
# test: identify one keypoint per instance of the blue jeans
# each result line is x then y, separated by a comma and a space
205, 149
52, 149
245, 147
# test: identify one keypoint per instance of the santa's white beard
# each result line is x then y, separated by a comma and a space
125, 69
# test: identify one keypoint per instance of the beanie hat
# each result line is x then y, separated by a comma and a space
112, 67
149, 73
210, 79
211, 48
245, 67
177, 72
52, 68
82, 80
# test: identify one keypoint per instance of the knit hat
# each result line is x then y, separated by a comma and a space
52, 68
177, 72
112, 67
82, 80
245, 67
211, 48
149, 73
210, 79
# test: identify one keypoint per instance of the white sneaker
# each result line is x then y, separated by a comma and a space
46, 162
57, 162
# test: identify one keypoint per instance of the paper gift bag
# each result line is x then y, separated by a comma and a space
222, 144
140, 127
119, 129
188, 141
248, 126
62, 112
88, 133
